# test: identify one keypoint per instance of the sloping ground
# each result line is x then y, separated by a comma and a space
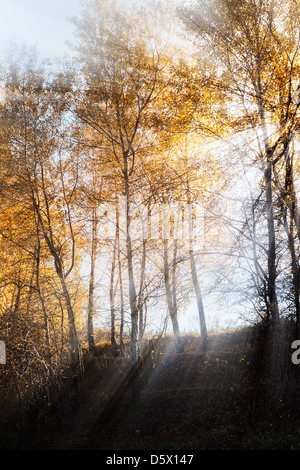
193, 400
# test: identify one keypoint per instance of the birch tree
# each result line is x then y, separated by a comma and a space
256, 44
121, 79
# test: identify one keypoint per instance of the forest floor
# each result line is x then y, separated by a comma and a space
194, 400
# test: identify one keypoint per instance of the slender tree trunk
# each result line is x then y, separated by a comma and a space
132, 289
90, 318
30, 293
141, 293
46, 229
271, 363
75, 343
43, 304
170, 300
121, 290
112, 296
174, 270
196, 284
272, 274
197, 289
126, 176
268, 171
133, 303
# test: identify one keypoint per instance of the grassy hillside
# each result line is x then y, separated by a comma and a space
214, 399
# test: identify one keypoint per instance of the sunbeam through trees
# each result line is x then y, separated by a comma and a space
150, 230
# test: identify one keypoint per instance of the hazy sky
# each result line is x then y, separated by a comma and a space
44, 24
41, 23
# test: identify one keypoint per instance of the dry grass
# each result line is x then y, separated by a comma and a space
217, 398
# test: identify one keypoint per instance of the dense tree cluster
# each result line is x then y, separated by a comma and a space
145, 173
